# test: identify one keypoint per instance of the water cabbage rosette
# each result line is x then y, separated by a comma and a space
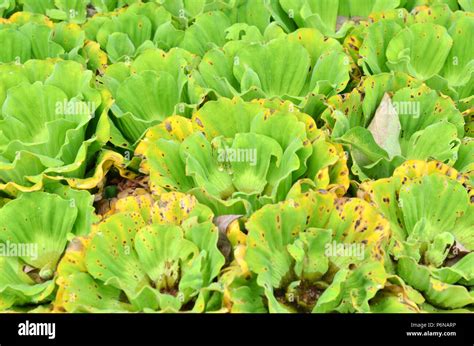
333, 18
74, 11
432, 46
211, 25
390, 118
250, 159
33, 236
318, 252
32, 36
126, 33
62, 137
295, 67
148, 256
430, 208
148, 90
207, 30
25, 36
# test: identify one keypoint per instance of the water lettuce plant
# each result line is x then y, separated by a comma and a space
158, 77
29, 259
147, 256
317, 252
392, 117
251, 159
299, 67
236, 156
430, 208
437, 33
63, 137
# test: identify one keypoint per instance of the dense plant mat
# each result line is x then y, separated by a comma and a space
236, 156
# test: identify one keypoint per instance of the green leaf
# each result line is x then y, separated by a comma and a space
144, 99
284, 79
419, 50
161, 250
112, 258
207, 31
52, 219
16, 46
375, 44
119, 47
94, 296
